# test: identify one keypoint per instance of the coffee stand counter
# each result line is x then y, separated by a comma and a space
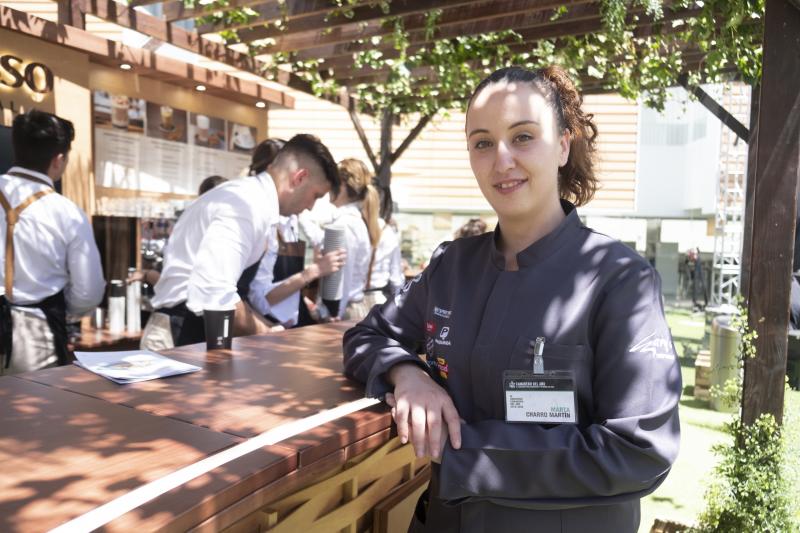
72, 441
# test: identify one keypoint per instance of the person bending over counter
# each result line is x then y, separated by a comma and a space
548, 398
275, 291
219, 240
52, 266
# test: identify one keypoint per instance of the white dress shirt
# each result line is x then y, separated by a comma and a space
359, 251
218, 236
287, 310
386, 268
54, 247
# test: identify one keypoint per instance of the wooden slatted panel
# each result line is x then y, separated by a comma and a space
434, 173
48, 10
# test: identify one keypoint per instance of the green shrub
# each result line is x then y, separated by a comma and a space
748, 492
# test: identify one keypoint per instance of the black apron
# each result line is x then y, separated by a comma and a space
55, 311
290, 261
189, 328
54, 308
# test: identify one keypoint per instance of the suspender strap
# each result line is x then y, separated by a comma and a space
12, 217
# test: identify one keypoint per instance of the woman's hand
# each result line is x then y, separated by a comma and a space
423, 411
330, 262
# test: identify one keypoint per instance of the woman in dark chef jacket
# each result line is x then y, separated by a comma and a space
548, 392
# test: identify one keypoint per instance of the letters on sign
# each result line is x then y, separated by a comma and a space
35, 76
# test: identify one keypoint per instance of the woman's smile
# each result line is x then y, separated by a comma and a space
510, 186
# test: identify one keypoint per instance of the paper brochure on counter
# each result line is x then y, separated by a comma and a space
132, 366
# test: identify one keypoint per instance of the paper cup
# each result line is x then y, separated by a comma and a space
218, 328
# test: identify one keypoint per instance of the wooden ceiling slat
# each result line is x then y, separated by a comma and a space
146, 62
268, 10
366, 75
500, 22
581, 20
147, 24
303, 32
326, 21
506, 14
135, 3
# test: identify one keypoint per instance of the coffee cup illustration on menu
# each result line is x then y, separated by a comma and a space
242, 138
167, 122
119, 111
203, 125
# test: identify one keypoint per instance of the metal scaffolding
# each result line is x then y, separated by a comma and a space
729, 217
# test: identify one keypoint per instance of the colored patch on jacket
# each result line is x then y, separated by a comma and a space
441, 365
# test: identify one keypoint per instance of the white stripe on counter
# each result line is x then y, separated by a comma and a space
107, 512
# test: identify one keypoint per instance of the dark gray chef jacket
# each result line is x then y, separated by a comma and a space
598, 305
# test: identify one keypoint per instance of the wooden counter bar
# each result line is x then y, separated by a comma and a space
63, 454
260, 384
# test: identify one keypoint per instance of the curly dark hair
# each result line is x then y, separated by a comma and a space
576, 180
474, 226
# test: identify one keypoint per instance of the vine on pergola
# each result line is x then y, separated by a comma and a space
726, 34
721, 39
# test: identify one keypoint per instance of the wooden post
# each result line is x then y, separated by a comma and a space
752, 156
773, 211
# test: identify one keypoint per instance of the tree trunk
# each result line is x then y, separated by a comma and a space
384, 174
382, 165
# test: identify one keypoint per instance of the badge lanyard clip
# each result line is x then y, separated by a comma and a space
538, 361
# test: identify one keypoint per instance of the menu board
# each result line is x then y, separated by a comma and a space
153, 147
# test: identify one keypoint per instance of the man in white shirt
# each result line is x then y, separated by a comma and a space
217, 244
50, 259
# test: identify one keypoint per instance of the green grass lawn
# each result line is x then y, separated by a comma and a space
681, 496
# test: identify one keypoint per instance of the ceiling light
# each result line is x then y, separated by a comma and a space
261, 105
200, 88
125, 66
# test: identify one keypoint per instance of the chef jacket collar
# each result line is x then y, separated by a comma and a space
35, 174
566, 231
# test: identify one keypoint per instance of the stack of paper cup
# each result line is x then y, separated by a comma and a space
331, 288
133, 304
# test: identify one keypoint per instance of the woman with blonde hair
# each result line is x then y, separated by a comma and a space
358, 204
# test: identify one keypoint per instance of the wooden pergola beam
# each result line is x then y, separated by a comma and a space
270, 11
420, 38
127, 17
581, 19
351, 77
482, 18
145, 62
326, 20
72, 13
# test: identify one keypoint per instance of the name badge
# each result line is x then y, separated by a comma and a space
542, 398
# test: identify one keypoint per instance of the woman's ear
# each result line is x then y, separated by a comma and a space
565, 142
